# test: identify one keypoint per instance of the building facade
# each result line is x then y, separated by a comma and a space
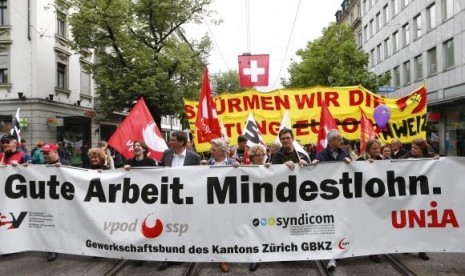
42, 76
421, 43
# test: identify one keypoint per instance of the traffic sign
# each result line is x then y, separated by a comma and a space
386, 89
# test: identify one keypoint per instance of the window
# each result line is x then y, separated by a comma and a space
418, 67
432, 61
4, 12
405, 3
365, 32
395, 42
359, 39
378, 22
385, 14
447, 9
407, 73
365, 6
406, 34
61, 76
379, 56
396, 78
85, 82
372, 3
372, 28
4, 67
61, 26
372, 57
395, 7
431, 16
448, 47
417, 26
387, 53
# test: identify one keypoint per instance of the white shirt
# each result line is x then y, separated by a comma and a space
178, 159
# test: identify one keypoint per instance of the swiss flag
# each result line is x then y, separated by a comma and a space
138, 126
253, 70
207, 123
327, 123
367, 131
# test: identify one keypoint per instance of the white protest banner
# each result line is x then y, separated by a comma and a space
245, 214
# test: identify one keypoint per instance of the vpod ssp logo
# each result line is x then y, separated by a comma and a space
150, 231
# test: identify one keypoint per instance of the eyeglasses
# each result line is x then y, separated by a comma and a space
4, 142
286, 138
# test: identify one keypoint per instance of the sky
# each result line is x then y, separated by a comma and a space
275, 26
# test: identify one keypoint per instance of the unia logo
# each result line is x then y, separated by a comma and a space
424, 218
11, 221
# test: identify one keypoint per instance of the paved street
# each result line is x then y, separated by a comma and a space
35, 263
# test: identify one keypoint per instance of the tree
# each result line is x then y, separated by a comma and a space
333, 60
140, 51
226, 82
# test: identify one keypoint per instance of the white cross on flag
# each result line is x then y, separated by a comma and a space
253, 70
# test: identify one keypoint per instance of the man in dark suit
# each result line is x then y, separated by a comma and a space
177, 156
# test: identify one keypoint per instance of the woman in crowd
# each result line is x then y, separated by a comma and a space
97, 159
386, 152
274, 147
257, 156
140, 158
421, 149
372, 152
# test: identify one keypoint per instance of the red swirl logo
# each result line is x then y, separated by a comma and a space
154, 231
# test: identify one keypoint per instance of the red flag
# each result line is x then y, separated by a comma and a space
253, 70
246, 160
367, 131
138, 125
208, 126
326, 124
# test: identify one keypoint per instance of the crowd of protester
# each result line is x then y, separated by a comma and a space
181, 153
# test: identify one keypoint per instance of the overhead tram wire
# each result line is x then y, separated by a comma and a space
214, 41
247, 23
288, 43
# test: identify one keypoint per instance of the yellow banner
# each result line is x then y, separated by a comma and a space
407, 122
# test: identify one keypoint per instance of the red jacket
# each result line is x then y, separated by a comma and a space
17, 156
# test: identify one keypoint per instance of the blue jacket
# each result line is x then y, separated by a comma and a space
325, 155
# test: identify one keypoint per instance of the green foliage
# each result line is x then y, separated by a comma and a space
227, 82
140, 51
333, 60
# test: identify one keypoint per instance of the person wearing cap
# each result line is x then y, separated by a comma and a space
51, 157
12, 154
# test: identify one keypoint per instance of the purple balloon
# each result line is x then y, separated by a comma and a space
382, 114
